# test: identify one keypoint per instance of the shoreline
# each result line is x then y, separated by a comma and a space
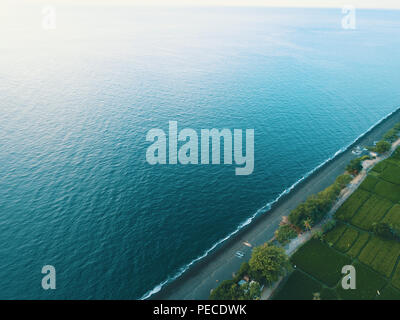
196, 279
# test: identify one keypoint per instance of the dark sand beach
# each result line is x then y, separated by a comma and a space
197, 282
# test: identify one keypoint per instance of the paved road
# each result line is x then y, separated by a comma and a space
197, 282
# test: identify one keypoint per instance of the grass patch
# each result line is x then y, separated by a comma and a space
318, 259
393, 161
381, 255
371, 211
393, 217
358, 245
299, 286
369, 183
389, 293
396, 154
350, 206
328, 294
391, 174
332, 236
368, 283
380, 166
388, 190
396, 277
346, 240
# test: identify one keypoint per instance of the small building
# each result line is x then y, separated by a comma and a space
242, 282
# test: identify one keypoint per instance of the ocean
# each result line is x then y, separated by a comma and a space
77, 102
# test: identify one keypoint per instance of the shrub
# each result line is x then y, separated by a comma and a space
329, 226
382, 146
355, 166
384, 230
391, 135
365, 157
343, 180
231, 290
318, 235
285, 233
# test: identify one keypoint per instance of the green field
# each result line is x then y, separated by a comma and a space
389, 293
371, 211
369, 183
332, 236
396, 277
355, 201
381, 255
290, 290
376, 260
388, 190
321, 261
368, 283
393, 217
358, 245
391, 173
347, 239
380, 166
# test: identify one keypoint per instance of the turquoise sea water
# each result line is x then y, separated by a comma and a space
76, 104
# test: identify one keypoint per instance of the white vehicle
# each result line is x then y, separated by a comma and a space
239, 254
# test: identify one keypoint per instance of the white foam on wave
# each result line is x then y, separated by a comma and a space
264, 209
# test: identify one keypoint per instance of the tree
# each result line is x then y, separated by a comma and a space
319, 235
317, 206
343, 180
391, 135
243, 271
308, 224
382, 146
250, 291
298, 215
223, 291
285, 233
267, 263
329, 226
355, 166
